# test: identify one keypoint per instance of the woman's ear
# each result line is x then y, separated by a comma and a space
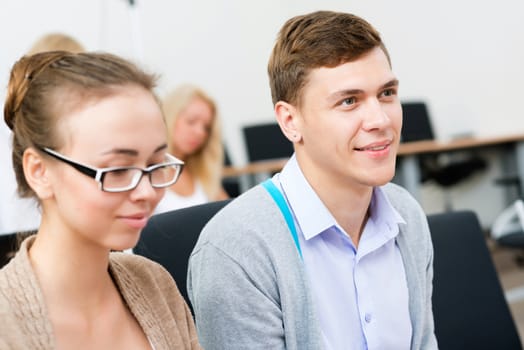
36, 174
287, 118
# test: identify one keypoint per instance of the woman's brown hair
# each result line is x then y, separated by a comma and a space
44, 86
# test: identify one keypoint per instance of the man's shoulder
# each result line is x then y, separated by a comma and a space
250, 207
393, 189
401, 199
250, 220
415, 229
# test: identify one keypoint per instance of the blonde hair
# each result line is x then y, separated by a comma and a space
207, 163
55, 42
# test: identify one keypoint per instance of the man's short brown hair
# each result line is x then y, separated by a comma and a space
314, 40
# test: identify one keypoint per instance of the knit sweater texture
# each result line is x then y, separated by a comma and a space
147, 289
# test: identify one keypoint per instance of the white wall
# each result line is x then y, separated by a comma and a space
464, 57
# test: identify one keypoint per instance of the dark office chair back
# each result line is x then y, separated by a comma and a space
230, 184
469, 306
416, 124
8, 247
227, 158
169, 238
266, 141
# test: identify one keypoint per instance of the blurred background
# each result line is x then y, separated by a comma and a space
463, 58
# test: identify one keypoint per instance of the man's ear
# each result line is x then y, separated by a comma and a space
37, 174
287, 118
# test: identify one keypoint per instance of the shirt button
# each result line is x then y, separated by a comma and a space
367, 317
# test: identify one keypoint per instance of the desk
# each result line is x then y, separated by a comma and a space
408, 152
262, 166
255, 172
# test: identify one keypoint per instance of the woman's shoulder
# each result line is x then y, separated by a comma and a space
11, 336
138, 268
18, 275
139, 278
153, 297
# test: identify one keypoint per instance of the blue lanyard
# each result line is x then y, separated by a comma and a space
281, 202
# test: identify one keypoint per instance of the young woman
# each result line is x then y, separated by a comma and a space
195, 138
89, 142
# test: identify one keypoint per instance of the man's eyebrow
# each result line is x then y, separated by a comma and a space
337, 95
391, 83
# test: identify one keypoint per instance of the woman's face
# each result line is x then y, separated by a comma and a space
124, 129
191, 129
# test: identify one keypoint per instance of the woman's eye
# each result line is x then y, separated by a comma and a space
120, 172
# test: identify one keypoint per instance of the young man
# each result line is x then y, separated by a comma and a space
326, 254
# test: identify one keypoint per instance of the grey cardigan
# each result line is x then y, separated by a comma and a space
249, 288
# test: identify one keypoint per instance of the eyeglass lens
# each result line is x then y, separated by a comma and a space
123, 179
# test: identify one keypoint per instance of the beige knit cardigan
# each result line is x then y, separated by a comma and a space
146, 287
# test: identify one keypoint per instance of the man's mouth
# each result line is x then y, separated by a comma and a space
373, 148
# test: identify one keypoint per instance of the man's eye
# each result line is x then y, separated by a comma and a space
348, 101
389, 92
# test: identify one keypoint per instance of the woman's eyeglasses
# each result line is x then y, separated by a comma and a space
121, 179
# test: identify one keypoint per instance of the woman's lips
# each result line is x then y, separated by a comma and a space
135, 221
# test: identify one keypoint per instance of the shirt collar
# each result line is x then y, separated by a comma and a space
383, 216
383, 209
312, 215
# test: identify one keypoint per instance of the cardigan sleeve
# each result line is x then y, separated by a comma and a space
233, 308
155, 301
417, 252
429, 340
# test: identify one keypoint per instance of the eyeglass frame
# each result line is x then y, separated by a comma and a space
98, 173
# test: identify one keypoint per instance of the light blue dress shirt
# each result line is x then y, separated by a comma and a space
361, 295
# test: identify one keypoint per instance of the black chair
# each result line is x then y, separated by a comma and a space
169, 238
8, 247
416, 125
511, 180
508, 229
469, 306
266, 141
230, 184
445, 169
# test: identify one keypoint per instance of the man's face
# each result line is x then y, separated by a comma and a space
349, 120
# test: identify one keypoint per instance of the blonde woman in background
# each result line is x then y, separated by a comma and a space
56, 41
194, 136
